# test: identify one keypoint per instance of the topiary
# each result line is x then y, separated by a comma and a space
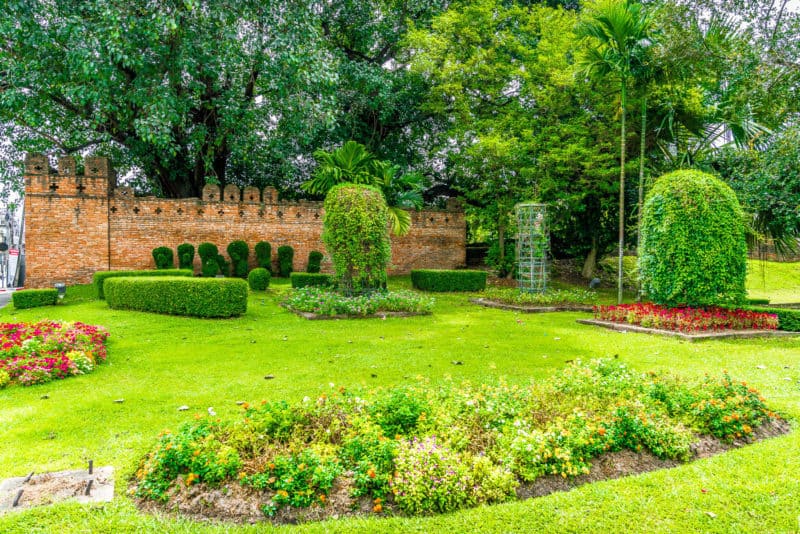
355, 235
263, 252
239, 253
285, 260
186, 256
314, 261
224, 265
258, 279
693, 250
210, 267
208, 253
163, 257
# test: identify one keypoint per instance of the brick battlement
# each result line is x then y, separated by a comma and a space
79, 224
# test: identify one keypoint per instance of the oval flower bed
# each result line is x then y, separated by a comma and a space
423, 450
325, 302
40, 352
686, 319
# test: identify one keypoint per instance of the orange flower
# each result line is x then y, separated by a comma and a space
371, 473
245, 405
283, 493
378, 508
322, 497
601, 431
196, 453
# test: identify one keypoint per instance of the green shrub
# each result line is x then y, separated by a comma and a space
33, 298
441, 280
224, 265
101, 276
263, 252
186, 256
285, 260
196, 297
356, 236
258, 279
5, 378
551, 297
311, 280
398, 411
239, 253
607, 268
757, 302
207, 251
314, 261
693, 250
163, 257
788, 319
325, 301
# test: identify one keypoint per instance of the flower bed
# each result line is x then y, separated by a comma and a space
687, 320
557, 297
40, 352
422, 450
322, 301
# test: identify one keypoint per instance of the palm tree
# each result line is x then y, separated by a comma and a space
353, 163
618, 30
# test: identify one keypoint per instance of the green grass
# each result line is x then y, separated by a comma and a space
158, 363
779, 282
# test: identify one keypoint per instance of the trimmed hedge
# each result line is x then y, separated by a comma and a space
101, 276
263, 251
239, 252
163, 257
441, 280
314, 261
258, 279
310, 280
186, 256
757, 302
195, 297
33, 298
285, 260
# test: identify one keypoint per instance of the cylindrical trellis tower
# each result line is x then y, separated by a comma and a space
533, 247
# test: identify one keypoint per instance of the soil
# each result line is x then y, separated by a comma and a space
531, 309
238, 504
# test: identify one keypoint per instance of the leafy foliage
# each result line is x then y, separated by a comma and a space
443, 280
33, 298
263, 252
354, 233
321, 300
239, 253
258, 279
310, 280
314, 261
693, 249
99, 278
285, 260
186, 256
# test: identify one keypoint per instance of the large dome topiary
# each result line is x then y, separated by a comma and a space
693, 250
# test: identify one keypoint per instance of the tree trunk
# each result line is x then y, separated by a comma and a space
591, 261
623, 101
642, 136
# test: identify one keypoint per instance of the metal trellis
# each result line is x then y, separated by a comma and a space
533, 247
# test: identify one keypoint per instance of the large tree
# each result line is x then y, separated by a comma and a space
176, 89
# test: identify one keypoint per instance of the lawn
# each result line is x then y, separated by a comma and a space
158, 363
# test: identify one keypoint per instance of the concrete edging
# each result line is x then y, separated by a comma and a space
725, 334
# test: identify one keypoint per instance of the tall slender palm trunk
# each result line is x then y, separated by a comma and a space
623, 101
642, 147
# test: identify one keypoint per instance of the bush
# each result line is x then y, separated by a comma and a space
355, 235
693, 250
163, 257
207, 251
258, 279
224, 266
186, 256
323, 301
788, 319
311, 280
196, 297
285, 260
5, 379
440, 280
33, 298
263, 252
314, 261
551, 297
101, 276
239, 253
607, 268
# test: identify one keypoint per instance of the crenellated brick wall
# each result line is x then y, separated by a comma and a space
78, 224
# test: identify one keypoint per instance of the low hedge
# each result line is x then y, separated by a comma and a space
436, 280
101, 276
196, 297
310, 280
33, 298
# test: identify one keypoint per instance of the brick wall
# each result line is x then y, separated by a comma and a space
78, 224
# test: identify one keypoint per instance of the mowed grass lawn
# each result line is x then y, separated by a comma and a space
158, 363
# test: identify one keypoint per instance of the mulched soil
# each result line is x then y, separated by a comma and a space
237, 504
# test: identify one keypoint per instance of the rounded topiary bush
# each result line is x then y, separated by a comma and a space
163, 257
285, 260
355, 235
693, 250
208, 253
314, 261
186, 256
263, 251
239, 253
258, 279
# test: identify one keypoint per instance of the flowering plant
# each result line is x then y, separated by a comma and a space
686, 319
324, 301
35, 353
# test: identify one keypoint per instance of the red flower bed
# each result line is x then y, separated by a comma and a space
40, 352
686, 319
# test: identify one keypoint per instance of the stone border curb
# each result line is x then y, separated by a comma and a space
725, 334
530, 309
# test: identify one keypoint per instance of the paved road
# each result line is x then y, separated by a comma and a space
5, 297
